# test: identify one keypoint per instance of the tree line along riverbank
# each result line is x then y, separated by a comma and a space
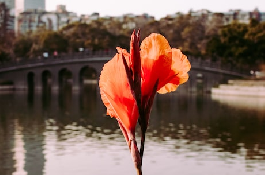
237, 44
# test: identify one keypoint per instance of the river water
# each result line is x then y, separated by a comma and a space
68, 133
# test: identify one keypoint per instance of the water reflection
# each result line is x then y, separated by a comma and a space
68, 133
65, 98
88, 98
46, 97
19, 151
209, 122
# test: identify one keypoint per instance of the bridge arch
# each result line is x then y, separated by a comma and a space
78, 68
87, 75
65, 77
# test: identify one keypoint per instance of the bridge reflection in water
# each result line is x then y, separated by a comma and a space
66, 132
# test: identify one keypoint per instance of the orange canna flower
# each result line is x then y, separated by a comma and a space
160, 62
129, 82
119, 97
116, 93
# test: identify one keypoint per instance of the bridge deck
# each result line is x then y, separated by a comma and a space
196, 64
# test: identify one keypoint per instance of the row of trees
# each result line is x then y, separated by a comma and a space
6, 35
68, 40
239, 44
236, 44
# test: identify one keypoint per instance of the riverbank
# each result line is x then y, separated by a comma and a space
254, 88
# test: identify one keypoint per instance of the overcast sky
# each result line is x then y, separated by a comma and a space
157, 8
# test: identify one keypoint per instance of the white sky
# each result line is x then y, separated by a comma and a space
156, 8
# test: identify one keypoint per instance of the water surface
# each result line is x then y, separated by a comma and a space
68, 133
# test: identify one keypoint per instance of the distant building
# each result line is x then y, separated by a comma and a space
10, 5
256, 15
224, 17
24, 5
6, 20
31, 20
131, 21
262, 16
246, 16
19, 6
34, 16
61, 9
143, 19
65, 17
89, 18
228, 18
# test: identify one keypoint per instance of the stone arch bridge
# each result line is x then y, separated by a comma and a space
79, 69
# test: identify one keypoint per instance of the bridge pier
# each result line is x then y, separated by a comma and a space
76, 82
20, 82
38, 82
55, 82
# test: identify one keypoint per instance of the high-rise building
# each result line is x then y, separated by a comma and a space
24, 5
6, 18
19, 6
10, 4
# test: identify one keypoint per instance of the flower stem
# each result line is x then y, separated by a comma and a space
142, 145
139, 171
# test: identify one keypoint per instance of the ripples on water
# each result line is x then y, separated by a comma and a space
68, 133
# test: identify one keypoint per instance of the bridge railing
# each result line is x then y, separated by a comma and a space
49, 59
199, 63
195, 62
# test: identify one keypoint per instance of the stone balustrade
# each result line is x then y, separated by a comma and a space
242, 88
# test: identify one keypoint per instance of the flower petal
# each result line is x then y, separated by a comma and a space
116, 93
156, 61
178, 74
